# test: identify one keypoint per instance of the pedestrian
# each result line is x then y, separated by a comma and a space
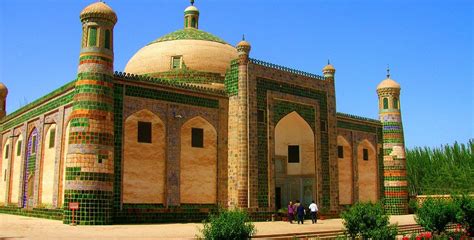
314, 211
291, 212
300, 211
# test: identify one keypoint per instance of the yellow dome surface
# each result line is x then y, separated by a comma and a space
191, 8
243, 43
3, 89
199, 50
101, 9
388, 83
328, 67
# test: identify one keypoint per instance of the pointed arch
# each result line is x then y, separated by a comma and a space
4, 160
345, 171
144, 162
30, 168
293, 130
367, 171
198, 162
47, 165
15, 170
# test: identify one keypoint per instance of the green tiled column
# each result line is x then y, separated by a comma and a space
90, 157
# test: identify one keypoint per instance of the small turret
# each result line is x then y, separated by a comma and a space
191, 16
243, 48
329, 70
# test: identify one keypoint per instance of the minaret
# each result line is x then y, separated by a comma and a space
90, 157
395, 174
191, 16
238, 134
3, 100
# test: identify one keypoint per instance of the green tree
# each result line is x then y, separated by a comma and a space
368, 220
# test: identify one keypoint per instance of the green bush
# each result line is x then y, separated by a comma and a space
465, 213
368, 220
412, 205
228, 224
435, 214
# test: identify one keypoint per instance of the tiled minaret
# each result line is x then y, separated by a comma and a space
395, 174
89, 162
3, 100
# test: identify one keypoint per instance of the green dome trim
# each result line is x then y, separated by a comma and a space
189, 34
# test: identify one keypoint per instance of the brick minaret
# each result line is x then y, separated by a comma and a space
238, 134
90, 162
395, 174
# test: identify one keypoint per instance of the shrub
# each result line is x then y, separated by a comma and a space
435, 214
368, 220
465, 213
228, 224
412, 205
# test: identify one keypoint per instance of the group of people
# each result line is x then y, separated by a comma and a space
297, 209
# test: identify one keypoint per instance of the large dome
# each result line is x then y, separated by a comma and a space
198, 50
194, 50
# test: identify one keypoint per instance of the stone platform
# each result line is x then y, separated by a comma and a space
20, 227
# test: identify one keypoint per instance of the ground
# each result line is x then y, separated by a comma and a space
20, 227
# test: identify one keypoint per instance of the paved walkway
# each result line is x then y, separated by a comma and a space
20, 227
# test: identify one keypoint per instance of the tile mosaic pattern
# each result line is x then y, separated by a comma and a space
232, 79
29, 169
189, 33
265, 85
90, 159
395, 178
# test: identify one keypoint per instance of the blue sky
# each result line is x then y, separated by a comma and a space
428, 44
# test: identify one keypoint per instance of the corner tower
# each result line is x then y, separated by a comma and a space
89, 163
394, 160
238, 155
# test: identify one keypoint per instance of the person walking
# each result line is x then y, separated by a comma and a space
314, 211
300, 211
291, 212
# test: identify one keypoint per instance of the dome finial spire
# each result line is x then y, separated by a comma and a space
243, 37
329, 61
192, 2
388, 71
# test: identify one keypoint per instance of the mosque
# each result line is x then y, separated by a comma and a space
193, 123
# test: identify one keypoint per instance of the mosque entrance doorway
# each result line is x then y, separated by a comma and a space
294, 161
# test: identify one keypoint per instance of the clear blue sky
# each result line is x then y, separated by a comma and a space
428, 44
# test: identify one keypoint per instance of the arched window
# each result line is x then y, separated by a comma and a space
92, 37
193, 22
186, 22
395, 103
385, 103
107, 39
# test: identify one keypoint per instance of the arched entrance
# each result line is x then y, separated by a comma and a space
295, 164
29, 169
